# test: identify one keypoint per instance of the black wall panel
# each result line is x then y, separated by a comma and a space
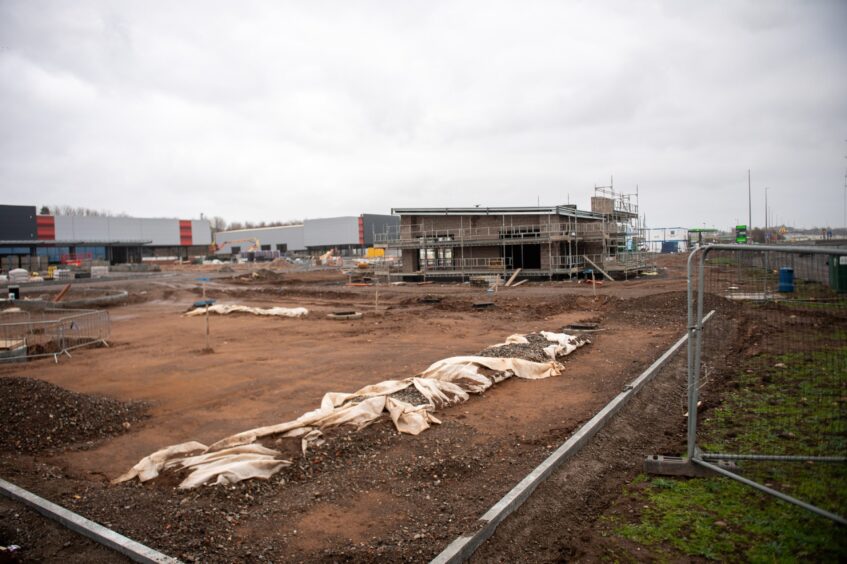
17, 223
376, 223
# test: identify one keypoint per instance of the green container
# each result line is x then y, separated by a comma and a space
838, 273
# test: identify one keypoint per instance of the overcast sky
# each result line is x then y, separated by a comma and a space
290, 110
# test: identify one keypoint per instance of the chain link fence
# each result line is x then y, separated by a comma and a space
767, 398
50, 333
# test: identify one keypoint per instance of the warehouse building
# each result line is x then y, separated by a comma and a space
63, 238
347, 235
283, 238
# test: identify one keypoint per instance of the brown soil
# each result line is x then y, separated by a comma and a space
37, 416
44, 541
560, 521
557, 523
372, 495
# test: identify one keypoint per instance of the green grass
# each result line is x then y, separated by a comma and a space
800, 393
793, 403
721, 519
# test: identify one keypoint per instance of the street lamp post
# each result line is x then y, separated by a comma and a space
767, 235
749, 204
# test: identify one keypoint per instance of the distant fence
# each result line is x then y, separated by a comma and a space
771, 370
50, 333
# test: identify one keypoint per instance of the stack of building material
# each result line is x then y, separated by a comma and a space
18, 276
34, 264
99, 271
9, 263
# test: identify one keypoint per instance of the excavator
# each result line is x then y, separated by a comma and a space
325, 258
256, 246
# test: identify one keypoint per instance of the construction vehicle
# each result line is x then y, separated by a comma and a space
256, 246
331, 258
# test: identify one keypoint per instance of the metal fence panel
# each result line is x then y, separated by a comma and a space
50, 333
768, 384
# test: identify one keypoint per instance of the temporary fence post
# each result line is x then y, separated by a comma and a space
692, 331
698, 346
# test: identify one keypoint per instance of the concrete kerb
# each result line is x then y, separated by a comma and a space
463, 547
114, 297
79, 524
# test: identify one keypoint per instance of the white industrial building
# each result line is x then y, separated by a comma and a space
348, 235
24, 233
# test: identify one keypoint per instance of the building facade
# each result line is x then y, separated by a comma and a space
541, 241
283, 238
60, 238
347, 235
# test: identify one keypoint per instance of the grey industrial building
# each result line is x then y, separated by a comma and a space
348, 235
59, 238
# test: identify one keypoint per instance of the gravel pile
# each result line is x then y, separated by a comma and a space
410, 395
36, 415
534, 350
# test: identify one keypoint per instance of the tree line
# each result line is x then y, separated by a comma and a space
217, 222
76, 210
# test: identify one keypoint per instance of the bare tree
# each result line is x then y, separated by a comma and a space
218, 224
236, 225
83, 211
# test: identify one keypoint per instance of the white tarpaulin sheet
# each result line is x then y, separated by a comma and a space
446, 382
223, 309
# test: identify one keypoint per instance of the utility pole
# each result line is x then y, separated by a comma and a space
766, 214
749, 204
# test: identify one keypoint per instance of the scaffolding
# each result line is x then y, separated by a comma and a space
555, 241
622, 210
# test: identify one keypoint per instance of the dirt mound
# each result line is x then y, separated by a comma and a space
36, 415
291, 276
282, 264
655, 309
532, 351
262, 274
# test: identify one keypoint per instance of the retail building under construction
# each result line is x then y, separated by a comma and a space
549, 241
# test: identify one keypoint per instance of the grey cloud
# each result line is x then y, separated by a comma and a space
266, 110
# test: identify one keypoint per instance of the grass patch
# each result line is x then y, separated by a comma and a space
721, 519
792, 403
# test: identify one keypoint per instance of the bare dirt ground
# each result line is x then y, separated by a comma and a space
367, 496
558, 523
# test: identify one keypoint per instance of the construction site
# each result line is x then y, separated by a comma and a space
409, 282
547, 242
229, 410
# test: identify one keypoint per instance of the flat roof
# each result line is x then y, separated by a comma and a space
567, 210
260, 228
44, 242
